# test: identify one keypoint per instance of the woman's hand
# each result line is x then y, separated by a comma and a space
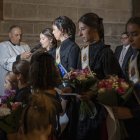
66, 90
25, 55
122, 113
86, 95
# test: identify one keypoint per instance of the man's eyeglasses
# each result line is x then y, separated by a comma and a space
124, 38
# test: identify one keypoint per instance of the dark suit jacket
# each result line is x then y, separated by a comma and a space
102, 61
69, 54
126, 58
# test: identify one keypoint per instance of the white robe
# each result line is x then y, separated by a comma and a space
8, 54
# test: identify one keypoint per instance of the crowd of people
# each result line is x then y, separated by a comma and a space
33, 75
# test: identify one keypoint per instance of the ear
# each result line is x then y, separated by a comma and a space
19, 76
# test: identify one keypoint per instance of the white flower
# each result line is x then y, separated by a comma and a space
4, 111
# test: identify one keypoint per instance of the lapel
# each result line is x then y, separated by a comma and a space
94, 50
118, 51
64, 48
62, 51
127, 56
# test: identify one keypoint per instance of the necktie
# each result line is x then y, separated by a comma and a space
122, 56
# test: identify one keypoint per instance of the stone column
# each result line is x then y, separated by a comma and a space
1, 9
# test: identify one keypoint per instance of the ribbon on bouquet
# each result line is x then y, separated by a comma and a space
62, 70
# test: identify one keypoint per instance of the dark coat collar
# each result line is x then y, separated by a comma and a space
13, 43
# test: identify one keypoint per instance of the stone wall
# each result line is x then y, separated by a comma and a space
34, 15
136, 7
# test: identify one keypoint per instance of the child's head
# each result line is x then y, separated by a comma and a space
40, 115
10, 81
21, 70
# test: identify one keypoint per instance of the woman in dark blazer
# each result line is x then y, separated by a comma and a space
96, 54
101, 60
68, 52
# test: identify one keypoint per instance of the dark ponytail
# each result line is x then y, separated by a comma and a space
94, 21
67, 25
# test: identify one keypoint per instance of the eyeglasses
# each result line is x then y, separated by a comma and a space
124, 38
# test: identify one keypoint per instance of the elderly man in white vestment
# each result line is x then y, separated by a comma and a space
10, 51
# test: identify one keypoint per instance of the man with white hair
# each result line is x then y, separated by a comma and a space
10, 51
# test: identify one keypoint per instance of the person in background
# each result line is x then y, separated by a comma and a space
39, 118
48, 41
67, 53
10, 87
16, 88
96, 54
10, 81
43, 73
21, 70
10, 51
123, 53
130, 112
44, 77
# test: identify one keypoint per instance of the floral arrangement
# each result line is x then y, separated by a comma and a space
8, 97
81, 81
83, 74
10, 112
113, 90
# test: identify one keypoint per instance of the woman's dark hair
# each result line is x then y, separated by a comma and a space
48, 33
22, 67
133, 20
67, 25
94, 21
43, 72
